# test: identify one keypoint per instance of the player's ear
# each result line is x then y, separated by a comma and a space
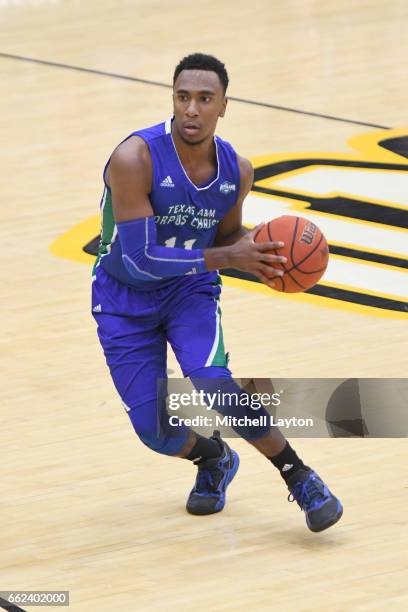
223, 107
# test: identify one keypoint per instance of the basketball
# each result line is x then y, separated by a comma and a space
305, 249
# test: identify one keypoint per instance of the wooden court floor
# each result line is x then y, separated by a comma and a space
85, 507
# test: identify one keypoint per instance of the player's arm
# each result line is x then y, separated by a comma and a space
130, 177
235, 246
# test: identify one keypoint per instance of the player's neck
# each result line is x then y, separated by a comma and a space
192, 154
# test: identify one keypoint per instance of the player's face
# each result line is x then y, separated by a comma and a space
198, 102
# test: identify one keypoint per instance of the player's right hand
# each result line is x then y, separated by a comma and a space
256, 258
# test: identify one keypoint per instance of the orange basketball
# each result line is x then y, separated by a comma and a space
305, 249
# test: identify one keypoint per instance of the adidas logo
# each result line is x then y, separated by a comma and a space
167, 182
97, 308
287, 467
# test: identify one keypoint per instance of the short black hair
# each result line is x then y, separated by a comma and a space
201, 61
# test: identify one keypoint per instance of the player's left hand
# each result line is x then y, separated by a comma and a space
256, 258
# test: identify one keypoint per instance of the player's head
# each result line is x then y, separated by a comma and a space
199, 86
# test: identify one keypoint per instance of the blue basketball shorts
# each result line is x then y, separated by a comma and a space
134, 328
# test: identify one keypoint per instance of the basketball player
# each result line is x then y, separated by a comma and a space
171, 218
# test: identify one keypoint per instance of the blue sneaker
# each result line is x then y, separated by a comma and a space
214, 475
321, 508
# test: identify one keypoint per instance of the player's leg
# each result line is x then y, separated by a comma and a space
322, 508
135, 349
202, 356
193, 328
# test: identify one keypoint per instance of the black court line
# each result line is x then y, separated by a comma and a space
9, 606
125, 77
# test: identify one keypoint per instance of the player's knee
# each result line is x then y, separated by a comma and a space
232, 401
154, 430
